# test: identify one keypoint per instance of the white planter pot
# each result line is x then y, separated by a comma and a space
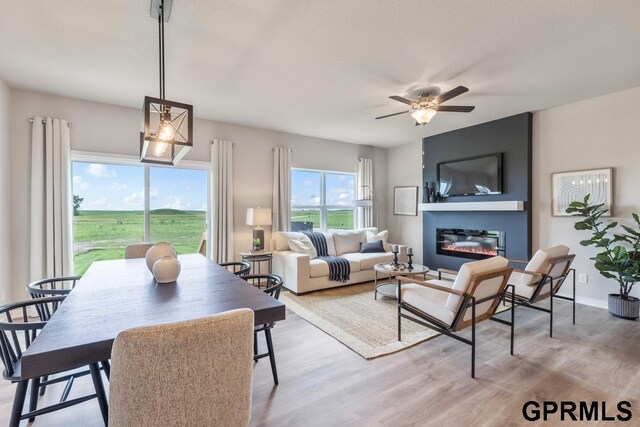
158, 251
166, 269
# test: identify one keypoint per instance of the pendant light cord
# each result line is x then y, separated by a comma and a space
161, 47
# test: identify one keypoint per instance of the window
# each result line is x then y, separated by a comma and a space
118, 204
321, 200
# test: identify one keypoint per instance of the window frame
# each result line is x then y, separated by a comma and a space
130, 160
323, 207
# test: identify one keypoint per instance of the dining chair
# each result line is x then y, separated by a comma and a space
138, 250
449, 307
239, 268
272, 287
196, 372
542, 278
50, 287
17, 332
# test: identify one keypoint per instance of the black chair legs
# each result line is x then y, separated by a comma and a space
272, 357
96, 376
33, 400
18, 403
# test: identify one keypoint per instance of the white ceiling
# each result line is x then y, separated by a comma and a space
325, 68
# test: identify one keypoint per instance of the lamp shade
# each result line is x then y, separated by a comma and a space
258, 216
363, 203
423, 115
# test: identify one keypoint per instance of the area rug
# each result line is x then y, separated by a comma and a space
353, 317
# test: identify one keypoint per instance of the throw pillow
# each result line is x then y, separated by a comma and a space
282, 239
348, 241
371, 247
382, 236
303, 246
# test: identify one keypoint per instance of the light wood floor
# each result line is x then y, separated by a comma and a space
323, 383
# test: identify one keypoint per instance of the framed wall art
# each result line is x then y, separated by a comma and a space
567, 187
405, 201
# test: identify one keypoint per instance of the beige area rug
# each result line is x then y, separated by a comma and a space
353, 317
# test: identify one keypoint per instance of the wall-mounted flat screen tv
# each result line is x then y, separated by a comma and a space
476, 176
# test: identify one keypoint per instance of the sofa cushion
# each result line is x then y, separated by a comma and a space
371, 247
320, 268
428, 300
468, 270
366, 261
282, 239
303, 246
348, 241
331, 247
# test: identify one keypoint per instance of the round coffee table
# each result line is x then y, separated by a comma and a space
388, 289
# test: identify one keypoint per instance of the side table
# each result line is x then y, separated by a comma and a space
256, 258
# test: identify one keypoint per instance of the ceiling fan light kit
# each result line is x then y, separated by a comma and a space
424, 108
167, 126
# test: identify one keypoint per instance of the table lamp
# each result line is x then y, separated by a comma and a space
258, 217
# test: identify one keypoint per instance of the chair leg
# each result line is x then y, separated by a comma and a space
18, 403
473, 339
574, 296
43, 387
513, 319
255, 345
106, 367
551, 309
272, 356
33, 398
399, 322
96, 376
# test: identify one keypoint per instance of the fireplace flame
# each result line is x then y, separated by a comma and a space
470, 250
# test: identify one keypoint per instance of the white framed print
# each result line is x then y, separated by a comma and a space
567, 187
405, 201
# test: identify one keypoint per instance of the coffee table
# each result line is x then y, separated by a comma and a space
388, 289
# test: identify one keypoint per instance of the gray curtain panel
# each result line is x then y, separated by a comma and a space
365, 177
221, 246
281, 189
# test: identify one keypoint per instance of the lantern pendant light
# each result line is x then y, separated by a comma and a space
167, 126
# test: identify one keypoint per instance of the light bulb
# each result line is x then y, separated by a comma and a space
423, 115
159, 148
165, 131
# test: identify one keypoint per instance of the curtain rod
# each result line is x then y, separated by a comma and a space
44, 122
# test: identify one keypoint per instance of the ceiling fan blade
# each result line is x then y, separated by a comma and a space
401, 99
451, 94
391, 115
455, 108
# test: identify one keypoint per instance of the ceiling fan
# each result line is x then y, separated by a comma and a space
425, 107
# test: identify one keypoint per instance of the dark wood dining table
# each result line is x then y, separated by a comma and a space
113, 296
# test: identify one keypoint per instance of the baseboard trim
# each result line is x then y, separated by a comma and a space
592, 302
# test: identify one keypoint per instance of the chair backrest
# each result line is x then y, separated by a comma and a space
139, 250
239, 268
18, 330
52, 286
187, 373
272, 283
541, 260
557, 271
466, 274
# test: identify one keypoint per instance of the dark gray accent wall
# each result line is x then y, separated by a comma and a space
511, 136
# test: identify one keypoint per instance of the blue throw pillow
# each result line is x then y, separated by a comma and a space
372, 247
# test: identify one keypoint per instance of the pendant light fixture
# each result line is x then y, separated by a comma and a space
167, 126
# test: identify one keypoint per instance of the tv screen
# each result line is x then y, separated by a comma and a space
471, 177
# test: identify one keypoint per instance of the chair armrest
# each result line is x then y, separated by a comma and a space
447, 271
532, 273
430, 285
518, 261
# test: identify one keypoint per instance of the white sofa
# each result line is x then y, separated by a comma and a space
302, 274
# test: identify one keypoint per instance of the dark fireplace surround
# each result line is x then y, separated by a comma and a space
471, 244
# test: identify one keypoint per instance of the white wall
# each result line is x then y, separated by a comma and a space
114, 129
5, 196
405, 169
596, 133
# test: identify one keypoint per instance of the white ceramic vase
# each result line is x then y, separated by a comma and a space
158, 251
166, 269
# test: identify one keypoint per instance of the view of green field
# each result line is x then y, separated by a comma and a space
103, 235
341, 219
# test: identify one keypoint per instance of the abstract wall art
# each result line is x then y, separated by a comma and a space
567, 187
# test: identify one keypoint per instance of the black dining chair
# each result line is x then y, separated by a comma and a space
239, 268
272, 286
50, 287
17, 332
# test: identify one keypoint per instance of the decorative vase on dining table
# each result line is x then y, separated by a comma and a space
166, 269
158, 251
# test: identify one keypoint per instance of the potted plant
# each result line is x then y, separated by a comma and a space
619, 258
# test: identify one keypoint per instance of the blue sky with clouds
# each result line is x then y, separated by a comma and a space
306, 188
119, 187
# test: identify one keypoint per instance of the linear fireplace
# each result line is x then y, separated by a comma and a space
473, 244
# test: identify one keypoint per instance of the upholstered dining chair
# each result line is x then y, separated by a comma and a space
196, 372
449, 307
542, 278
17, 332
139, 250
239, 268
272, 286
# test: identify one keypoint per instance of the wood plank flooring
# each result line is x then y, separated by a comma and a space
323, 383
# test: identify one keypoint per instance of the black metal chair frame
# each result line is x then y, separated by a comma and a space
555, 283
11, 351
273, 287
240, 268
469, 301
39, 289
